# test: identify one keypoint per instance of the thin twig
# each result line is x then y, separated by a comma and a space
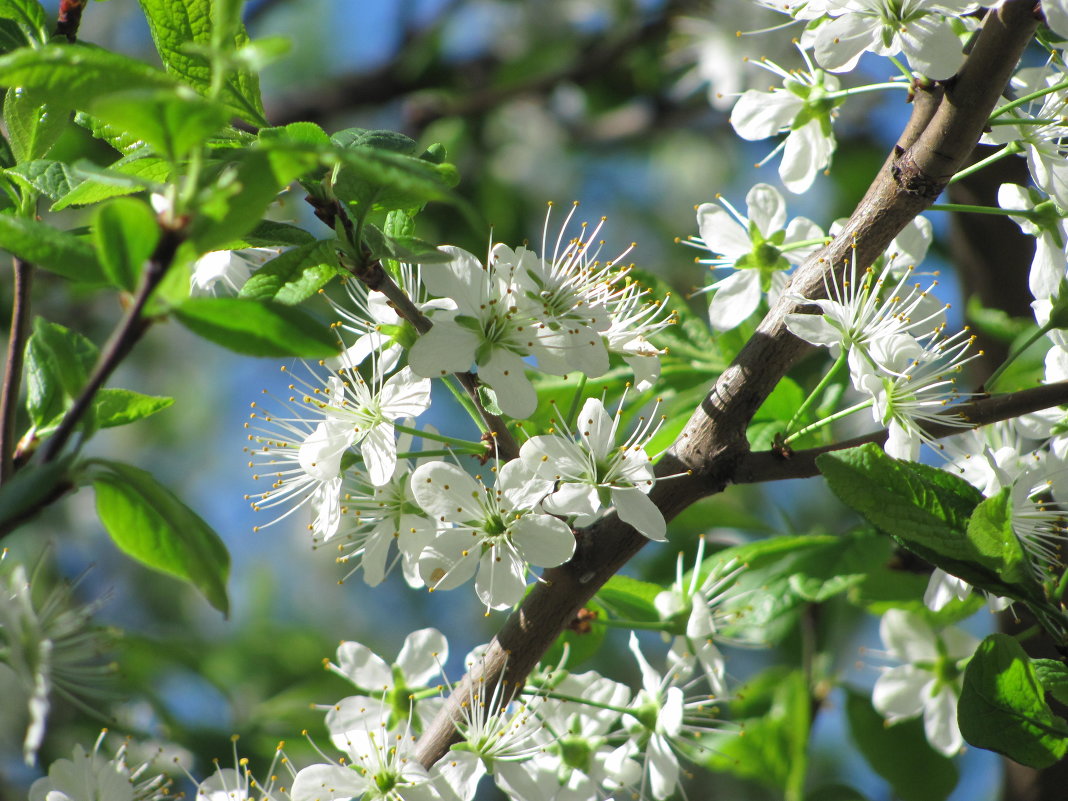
16, 350
69, 18
127, 333
756, 468
375, 277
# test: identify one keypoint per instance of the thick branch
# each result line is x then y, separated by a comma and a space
126, 334
16, 349
713, 442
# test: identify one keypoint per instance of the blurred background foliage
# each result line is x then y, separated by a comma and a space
606, 102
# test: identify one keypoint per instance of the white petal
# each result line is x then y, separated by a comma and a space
363, 667
721, 233
807, 152
505, 372
327, 783
663, 767
404, 395
444, 490
462, 278
596, 428
908, 636
379, 449
932, 47
767, 209
422, 656
543, 540
758, 115
840, 42
553, 457
579, 500
445, 348
940, 722
320, 454
502, 578
899, 692
634, 507
737, 296
462, 771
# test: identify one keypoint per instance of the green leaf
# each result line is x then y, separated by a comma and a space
33, 125
630, 598
269, 233
257, 328
1003, 708
372, 178
772, 748
125, 233
241, 194
177, 24
1053, 676
58, 363
149, 523
410, 249
12, 36
119, 138
119, 407
900, 753
44, 246
173, 123
774, 413
51, 178
929, 511
29, 15
74, 75
129, 174
295, 275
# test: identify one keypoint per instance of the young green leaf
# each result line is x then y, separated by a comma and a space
30, 17
129, 174
33, 125
900, 753
295, 275
44, 246
257, 328
177, 24
54, 179
1003, 708
1053, 676
125, 233
630, 598
119, 407
58, 363
149, 523
74, 76
173, 123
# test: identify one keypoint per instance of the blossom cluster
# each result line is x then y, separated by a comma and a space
342, 443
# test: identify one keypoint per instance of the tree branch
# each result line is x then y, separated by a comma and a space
16, 350
756, 468
126, 334
708, 451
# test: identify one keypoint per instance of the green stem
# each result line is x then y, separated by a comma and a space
1011, 149
969, 209
1031, 340
1028, 98
436, 452
903, 70
465, 444
465, 400
804, 243
574, 699
1024, 121
873, 87
816, 393
647, 625
826, 421
573, 411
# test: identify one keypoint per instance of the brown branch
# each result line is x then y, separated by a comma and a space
127, 333
374, 277
16, 350
713, 444
756, 468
